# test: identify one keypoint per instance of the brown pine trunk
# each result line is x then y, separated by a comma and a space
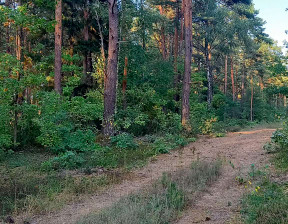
285, 101
124, 83
182, 22
262, 86
188, 56
18, 96
226, 75
163, 37
143, 33
58, 46
209, 73
252, 98
8, 50
87, 61
235, 82
110, 84
176, 49
18, 44
243, 85
232, 79
101, 39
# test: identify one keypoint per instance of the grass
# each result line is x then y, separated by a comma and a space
267, 202
34, 182
25, 188
163, 202
263, 125
267, 205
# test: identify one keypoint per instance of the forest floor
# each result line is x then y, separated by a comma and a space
220, 203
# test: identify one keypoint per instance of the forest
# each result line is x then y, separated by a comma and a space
92, 91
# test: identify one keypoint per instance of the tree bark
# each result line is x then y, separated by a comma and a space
110, 85
243, 85
252, 98
176, 49
182, 22
188, 56
87, 61
232, 78
163, 37
208, 56
124, 83
235, 82
8, 50
101, 38
226, 75
58, 48
142, 22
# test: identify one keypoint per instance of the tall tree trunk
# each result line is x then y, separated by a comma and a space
8, 50
226, 75
235, 82
87, 61
163, 37
232, 78
58, 47
188, 57
124, 83
252, 98
182, 22
176, 49
208, 56
101, 38
143, 29
285, 101
110, 84
261, 86
18, 43
243, 85
18, 99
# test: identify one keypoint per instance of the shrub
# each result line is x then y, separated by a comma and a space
5, 131
67, 160
124, 141
67, 125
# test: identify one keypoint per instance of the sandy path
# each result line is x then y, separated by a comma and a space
220, 203
242, 149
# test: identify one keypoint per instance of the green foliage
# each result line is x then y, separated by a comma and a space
124, 141
67, 160
67, 125
147, 113
268, 205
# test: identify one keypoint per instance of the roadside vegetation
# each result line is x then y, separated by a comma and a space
164, 201
36, 182
267, 200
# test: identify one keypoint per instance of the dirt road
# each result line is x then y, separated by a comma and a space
218, 205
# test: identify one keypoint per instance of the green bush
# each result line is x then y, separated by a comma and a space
67, 125
124, 141
147, 112
67, 160
6, 128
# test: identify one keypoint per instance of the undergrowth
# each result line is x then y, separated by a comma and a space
266, 204
34, 181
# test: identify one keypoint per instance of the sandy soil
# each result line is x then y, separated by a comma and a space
218, 204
